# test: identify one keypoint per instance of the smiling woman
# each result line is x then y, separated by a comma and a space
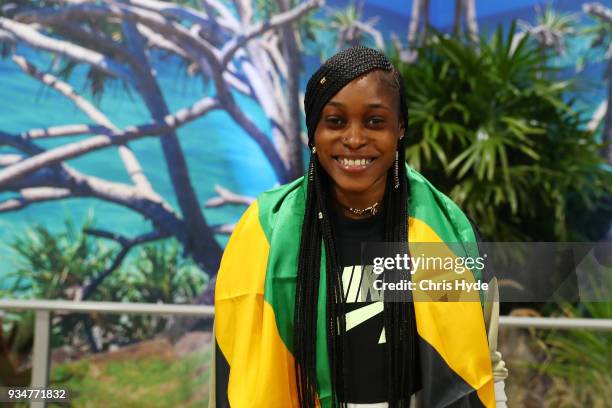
357, 138
294, 326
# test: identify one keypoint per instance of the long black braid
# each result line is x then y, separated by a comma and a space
317, 230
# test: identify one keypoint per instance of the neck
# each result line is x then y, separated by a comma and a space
360, 200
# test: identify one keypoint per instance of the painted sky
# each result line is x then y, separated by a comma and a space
442, 10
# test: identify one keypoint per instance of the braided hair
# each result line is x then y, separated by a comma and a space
399, 321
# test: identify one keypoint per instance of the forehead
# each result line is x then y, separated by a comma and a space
376, 84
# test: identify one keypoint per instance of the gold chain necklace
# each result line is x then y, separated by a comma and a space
373, 209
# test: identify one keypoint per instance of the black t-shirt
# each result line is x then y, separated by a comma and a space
366, 359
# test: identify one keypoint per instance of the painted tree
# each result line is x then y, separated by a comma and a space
419, 25
551, 29
351, 30
417, 29
419, 21
603, 40
465, 10
231, 46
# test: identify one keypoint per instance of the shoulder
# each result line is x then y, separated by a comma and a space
437, 209
276, 197
283, 201
422, 189
442, 217
270, 223
282, 204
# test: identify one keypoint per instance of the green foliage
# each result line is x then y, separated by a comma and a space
98, 32
50, 264
580, 379
489, 125
57, 265
562, 23
579, 360
158, 274
307, 28
15, 345
347, 16
144, 380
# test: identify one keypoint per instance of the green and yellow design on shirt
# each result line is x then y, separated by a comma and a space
254, 309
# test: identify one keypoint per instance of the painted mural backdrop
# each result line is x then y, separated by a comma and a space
133, 134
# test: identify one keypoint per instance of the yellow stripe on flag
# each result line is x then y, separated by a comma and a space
261, 367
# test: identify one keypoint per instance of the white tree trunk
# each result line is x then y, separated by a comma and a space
457, 17
415, 21
471, 19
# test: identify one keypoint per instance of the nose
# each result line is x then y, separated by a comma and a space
354, 138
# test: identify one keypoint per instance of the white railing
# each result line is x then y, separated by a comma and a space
561, 323
44, 309
108, 307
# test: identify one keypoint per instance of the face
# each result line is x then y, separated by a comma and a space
357, 135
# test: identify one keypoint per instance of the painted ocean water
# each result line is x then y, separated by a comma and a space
216, 149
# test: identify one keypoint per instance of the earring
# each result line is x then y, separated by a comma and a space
396, 171
313, 150
311, 171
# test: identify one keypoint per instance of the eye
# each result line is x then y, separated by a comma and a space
334, 121
376, 121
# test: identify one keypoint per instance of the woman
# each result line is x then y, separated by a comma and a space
291, 327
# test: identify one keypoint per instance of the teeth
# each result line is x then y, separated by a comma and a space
353, 163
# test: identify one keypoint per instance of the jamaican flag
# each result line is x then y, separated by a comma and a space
254, 304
